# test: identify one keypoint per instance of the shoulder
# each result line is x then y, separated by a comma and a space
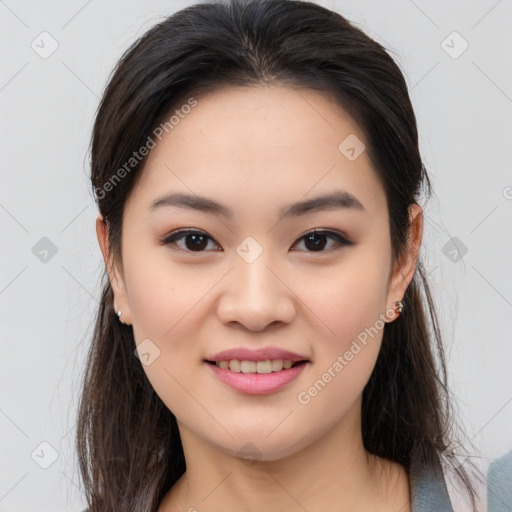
499, 484
428, 488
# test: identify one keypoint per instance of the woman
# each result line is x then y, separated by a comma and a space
266, 339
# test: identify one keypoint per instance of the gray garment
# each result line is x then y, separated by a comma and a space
428, 489
499, 484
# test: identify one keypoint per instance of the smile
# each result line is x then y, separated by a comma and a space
268, 366
257, 377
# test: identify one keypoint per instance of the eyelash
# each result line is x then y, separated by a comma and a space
181, 234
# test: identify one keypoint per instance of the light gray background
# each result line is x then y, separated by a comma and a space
464, 113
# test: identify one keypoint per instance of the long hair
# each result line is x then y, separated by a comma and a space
128, 442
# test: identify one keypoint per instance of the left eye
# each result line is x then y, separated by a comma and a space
197, 241
317, 240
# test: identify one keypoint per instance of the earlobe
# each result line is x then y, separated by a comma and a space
406, 264
120, 304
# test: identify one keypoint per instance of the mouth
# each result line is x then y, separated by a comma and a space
257, 377
257, 367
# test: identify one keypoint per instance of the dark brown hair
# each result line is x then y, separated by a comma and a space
128, 442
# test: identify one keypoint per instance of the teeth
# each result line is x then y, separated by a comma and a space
234, 366
277, 365
246, 366
264, 367
268, 366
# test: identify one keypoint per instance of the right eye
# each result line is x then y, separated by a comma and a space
194, 240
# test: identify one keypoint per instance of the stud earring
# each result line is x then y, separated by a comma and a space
118, 313
399, 307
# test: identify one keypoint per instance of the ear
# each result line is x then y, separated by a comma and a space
405, 266
115, 275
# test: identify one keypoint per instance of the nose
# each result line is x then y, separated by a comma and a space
256, 295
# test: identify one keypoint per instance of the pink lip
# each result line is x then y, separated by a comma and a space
262, 354
257, 383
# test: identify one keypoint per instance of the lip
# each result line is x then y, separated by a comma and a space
257, 383
261, 354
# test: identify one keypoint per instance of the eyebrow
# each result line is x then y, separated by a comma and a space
336, 199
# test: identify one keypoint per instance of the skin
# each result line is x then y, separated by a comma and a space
256, 150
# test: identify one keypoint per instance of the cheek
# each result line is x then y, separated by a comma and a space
167, 306
350, 299
161, 295
351, 310
164, 304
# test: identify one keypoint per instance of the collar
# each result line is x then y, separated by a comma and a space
428, 488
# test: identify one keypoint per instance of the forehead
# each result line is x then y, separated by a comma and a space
259, 145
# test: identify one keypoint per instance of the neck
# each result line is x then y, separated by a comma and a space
332, 473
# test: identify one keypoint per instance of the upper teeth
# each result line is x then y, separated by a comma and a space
268, 366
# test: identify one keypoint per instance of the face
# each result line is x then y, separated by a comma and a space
251, 273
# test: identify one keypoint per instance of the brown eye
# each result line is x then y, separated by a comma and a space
316, 241
197, 241
194, 241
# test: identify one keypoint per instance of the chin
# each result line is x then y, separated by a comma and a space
262, 449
